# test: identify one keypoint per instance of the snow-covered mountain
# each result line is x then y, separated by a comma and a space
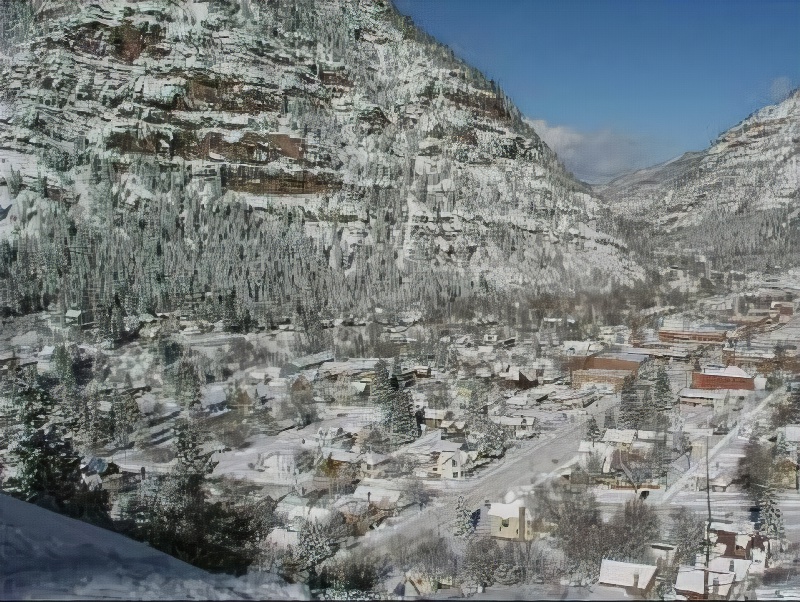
746, 185
44, 555
397, 152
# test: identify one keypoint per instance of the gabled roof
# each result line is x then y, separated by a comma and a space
729, 371
723, 565
691, 579
621, 574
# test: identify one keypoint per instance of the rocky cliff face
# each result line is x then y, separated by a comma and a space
738, 197
184, 138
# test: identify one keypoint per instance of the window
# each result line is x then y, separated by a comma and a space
504, 522
454, 462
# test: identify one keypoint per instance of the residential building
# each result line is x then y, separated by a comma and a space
511, 521
636, 579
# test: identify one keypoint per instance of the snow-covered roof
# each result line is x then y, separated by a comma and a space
621, 574
350, 505
792, 433
339, 455
313, 359
694, 580
213, 395
723, 565
587, 447
509, 420
619, 436
581, 347
729, 371
506, 510
690, 393
626, 356
377, 495
517, 400
373, 459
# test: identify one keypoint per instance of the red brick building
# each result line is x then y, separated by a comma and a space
692, 336
729, 377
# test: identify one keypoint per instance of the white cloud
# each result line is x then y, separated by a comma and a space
601, 155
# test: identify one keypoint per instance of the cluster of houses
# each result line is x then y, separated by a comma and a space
736, 553
735, 557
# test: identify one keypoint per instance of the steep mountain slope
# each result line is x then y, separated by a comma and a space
738, 197
137, 138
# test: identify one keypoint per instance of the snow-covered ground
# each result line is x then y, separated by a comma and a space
44, 555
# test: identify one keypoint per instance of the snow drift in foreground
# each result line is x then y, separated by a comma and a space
46, 555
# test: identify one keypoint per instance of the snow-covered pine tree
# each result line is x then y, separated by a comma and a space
403, 419
463, 522
593, 433
313, 546
771, 514
662, 392
381, 390
630, 408
609, 421
48, 466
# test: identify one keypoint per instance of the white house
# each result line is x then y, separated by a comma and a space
628, 575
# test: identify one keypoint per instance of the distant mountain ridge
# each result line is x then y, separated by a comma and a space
746, 185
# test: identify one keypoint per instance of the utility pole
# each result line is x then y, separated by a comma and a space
708, 527
708, 502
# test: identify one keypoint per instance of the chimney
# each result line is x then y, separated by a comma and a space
522, 523
732, 566
636, 580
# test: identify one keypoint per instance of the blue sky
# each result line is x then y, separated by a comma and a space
618, 85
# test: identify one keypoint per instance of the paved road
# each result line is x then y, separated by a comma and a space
529, 462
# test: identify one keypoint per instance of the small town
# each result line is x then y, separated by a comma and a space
459, 436
399, 300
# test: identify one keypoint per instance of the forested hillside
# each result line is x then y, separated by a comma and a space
250, 159
735, 201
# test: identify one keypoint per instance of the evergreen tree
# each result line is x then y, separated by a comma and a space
126, 415
609, 421
396, 408
314, 544
771, 514
63, 367
593, 433
403, 419
630, 408
48, 466
463, 522
381, 389
662, 392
